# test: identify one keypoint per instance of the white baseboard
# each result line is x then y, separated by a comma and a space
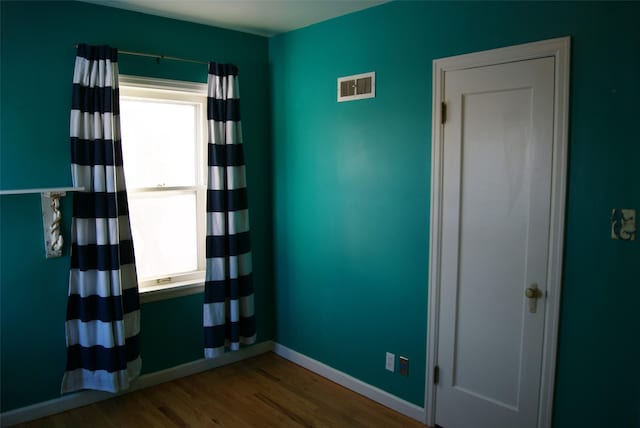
349, 382
84, 398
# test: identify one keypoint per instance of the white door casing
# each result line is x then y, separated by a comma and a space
480, 216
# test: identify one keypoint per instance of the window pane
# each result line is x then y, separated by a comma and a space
164, 233
159, 143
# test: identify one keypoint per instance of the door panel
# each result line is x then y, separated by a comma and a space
498, 143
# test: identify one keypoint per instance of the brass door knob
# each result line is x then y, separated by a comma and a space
532, 293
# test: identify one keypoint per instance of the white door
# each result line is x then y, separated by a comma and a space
496, 202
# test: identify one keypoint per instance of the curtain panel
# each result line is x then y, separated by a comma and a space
103, 316
229, 318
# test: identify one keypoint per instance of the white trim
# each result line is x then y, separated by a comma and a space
148, 89
79, 399
170, 291
43, 190
559, 49
84, 398
168, 85
349, 382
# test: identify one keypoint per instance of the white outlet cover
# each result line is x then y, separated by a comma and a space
391, 362
623, 224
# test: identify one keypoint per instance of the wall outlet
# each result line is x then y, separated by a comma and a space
391, 362
403, 363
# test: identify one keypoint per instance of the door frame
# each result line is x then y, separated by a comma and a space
560, 49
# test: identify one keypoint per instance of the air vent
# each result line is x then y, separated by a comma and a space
357, 87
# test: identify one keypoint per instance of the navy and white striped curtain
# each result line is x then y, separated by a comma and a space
229, 318
103, 316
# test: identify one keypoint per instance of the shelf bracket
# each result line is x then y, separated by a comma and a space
51, 223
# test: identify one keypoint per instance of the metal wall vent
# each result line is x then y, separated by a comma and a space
357, 87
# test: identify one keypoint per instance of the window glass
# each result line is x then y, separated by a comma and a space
163, 142
164, 236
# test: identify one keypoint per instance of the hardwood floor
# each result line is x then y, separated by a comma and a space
265, 391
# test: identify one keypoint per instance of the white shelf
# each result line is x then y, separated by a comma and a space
43, 190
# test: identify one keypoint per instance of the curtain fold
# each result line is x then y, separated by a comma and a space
103, 308
229, 318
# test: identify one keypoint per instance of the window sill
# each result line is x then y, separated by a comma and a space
170, 291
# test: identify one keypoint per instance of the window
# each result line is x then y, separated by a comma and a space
163, 146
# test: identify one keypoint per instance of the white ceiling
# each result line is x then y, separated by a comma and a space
262, 17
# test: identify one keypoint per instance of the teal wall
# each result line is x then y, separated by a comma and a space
348, 184
351, 191
37, 58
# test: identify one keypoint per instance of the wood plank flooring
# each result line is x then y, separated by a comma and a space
265, 391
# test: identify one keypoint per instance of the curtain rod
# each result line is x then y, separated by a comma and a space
159, 57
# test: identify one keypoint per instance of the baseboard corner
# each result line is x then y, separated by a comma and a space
371, 392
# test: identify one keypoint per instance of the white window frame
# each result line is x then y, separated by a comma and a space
138, 87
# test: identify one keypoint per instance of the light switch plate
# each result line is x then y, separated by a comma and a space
623, 224
390, 363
